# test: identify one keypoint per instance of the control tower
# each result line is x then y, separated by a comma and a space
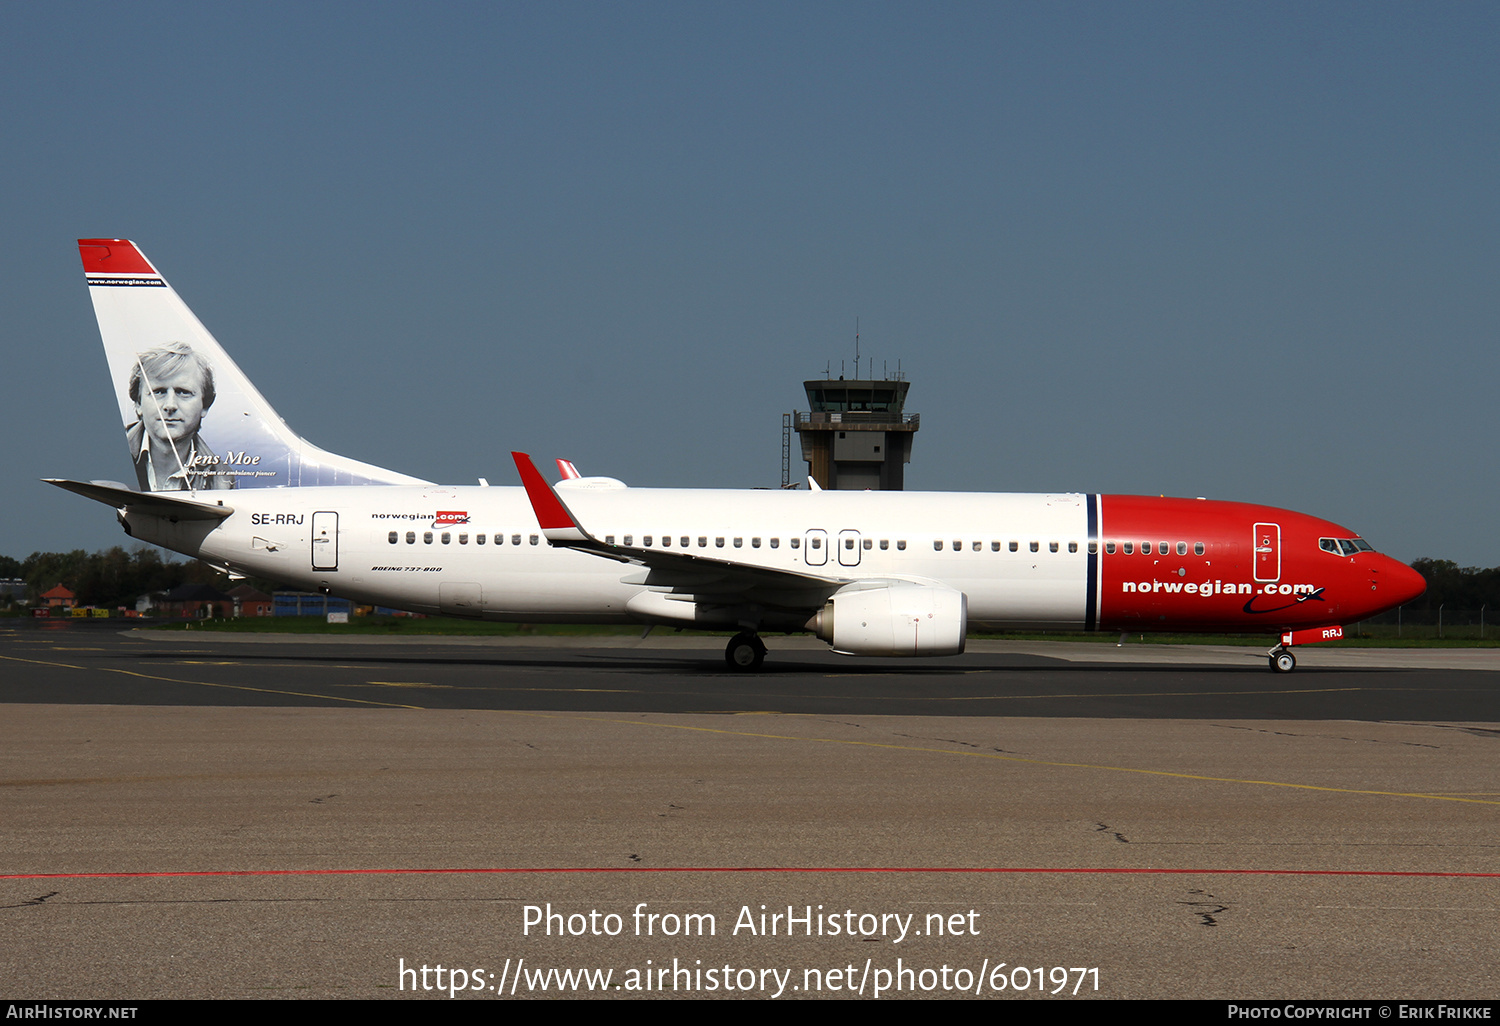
856, 434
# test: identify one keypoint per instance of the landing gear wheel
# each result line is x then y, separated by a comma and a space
1283, 662
745, 652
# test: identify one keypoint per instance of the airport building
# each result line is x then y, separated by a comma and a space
856, 434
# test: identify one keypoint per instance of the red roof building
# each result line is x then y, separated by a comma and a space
59, 598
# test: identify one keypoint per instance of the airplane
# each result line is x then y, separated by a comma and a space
875, 573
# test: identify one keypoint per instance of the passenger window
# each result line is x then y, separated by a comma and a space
817, 543
411, 537
1182, 548
775, 543
994, 546
978, 546
957, 545
515, 539
937, 546
609, 539
1165, 548
646, 541
849, 543
628, 538
796, 543
447, 537
901, 545
480, 538
869, 545
1036, 547
1197, 548
1109, 547
393, 538
666, 541
755, 543
1052, 546
885, 543
685, 541
1072, 546
426, 537
739, 543
719, 543
1015, 546
1093, 548
702, 542
534, 539
1129, 549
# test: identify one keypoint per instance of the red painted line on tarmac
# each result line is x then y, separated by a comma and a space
740, 869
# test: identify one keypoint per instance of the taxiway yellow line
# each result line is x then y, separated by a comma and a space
211, 684
1023, 760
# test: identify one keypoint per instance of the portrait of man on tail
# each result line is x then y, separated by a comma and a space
172, 387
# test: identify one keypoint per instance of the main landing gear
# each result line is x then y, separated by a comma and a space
745, 652
1282, 660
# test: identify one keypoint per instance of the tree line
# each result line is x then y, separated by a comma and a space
111, 578
1456, 587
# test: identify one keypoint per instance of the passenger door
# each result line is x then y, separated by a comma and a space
1267, 545
325, 541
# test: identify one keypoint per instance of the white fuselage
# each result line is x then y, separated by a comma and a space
1020, 559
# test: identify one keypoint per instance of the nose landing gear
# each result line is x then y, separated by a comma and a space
1282, 660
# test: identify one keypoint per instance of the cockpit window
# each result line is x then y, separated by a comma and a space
1344, 546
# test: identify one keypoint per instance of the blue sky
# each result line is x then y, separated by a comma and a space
1245, 251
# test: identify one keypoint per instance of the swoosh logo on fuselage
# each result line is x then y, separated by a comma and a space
1297, 600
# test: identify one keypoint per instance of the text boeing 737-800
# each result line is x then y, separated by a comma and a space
221, 477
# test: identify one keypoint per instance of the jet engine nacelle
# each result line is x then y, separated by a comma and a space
900, 618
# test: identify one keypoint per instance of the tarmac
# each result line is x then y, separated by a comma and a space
205, 816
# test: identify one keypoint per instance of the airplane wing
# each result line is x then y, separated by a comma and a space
709, 578
169, 505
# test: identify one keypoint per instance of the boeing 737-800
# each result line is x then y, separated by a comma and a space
222, 478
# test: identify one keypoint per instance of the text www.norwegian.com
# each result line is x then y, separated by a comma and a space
517, 978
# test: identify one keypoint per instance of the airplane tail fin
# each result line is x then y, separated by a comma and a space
193, 421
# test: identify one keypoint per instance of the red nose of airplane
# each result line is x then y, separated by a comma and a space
1402, 583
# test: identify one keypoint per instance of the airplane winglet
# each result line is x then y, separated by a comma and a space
555, 519
567, 470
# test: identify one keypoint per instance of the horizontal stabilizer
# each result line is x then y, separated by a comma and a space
157, 504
